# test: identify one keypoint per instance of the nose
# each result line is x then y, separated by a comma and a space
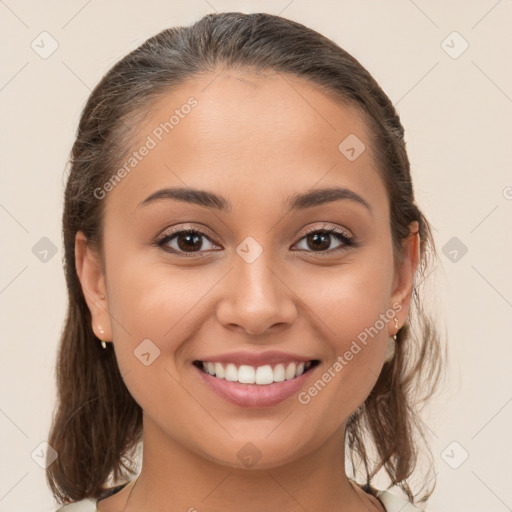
256, 298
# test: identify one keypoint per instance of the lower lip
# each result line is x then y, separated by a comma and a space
254, 395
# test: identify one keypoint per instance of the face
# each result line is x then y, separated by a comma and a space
263, 279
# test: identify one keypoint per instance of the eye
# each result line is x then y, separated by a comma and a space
184, 242
189, 242
320, 239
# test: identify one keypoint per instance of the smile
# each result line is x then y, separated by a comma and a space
260, 375
255, 386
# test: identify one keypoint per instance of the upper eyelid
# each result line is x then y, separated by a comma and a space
181, 229
326, 227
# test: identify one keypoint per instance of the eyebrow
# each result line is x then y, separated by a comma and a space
299, 201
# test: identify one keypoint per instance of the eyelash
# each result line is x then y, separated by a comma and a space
337, 234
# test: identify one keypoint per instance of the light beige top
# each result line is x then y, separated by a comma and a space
391, 502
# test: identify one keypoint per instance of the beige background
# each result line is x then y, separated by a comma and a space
458, 118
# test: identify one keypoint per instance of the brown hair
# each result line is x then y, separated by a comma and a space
97, 423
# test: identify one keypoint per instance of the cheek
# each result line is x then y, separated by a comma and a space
355, 313
149, 297
154, 316
155, 309
355, 310
352, 298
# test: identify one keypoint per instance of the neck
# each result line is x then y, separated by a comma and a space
174, 478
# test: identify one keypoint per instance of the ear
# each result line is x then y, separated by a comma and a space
403, 282
90, 273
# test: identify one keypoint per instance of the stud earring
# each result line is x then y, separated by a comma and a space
390, 348
103, 342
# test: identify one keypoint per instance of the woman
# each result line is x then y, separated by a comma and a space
242, 246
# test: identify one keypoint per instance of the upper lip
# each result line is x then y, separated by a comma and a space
256, 358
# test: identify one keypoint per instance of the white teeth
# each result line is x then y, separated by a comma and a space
246, 374
219, 370
279, 374
290, 371
231, 373
264, 375
260, 375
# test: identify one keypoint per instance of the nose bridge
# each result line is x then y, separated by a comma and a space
257, 280
256, 297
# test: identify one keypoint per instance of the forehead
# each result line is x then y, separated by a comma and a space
248, 135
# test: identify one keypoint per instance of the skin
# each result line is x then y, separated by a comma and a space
255, 139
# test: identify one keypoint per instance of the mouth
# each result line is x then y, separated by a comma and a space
263, 375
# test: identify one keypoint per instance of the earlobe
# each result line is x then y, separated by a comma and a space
405, 272
92, 280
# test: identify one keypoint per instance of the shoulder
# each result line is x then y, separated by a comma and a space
391, 502
88, 505
394, 503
